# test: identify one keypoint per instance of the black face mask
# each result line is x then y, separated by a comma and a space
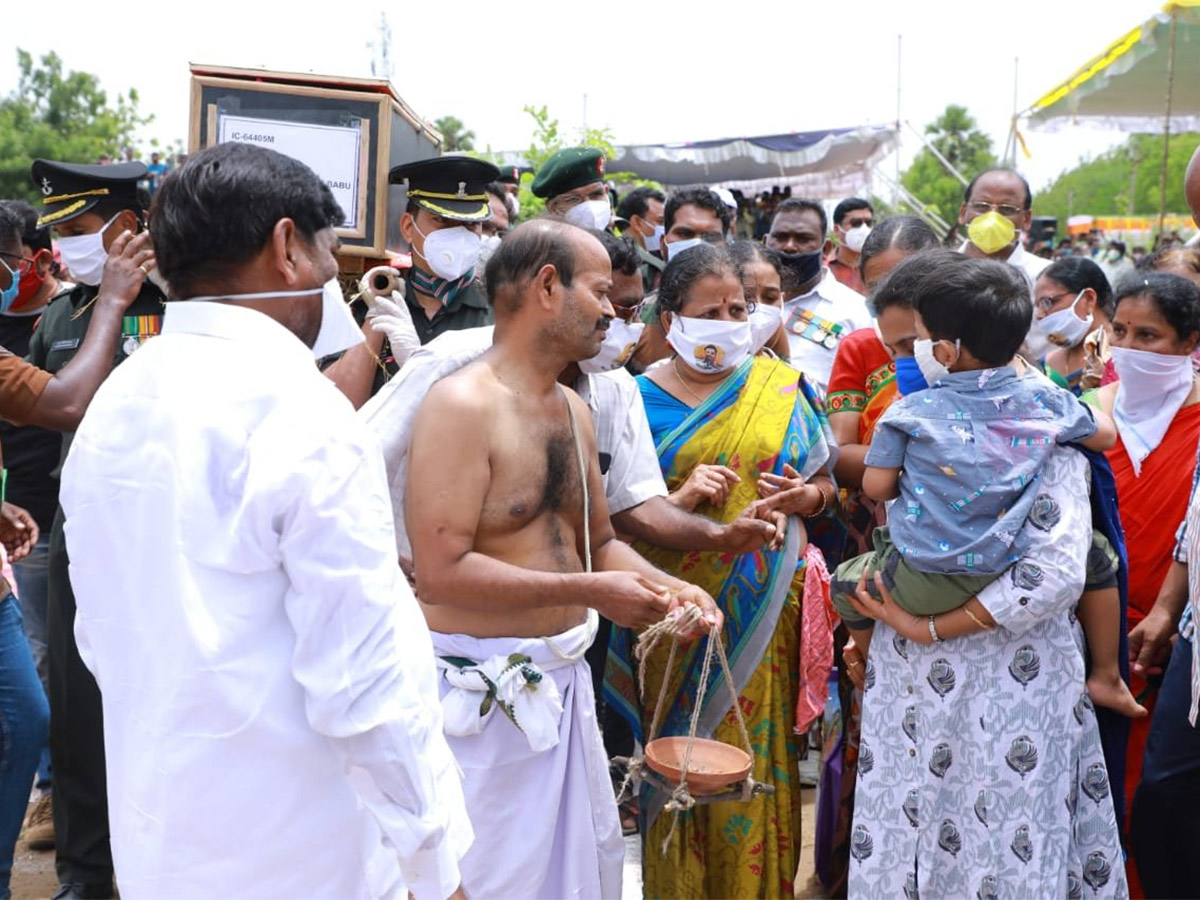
801, 268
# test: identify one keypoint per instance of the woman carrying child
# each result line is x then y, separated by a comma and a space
980, 769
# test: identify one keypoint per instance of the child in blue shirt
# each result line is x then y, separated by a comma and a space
963, 461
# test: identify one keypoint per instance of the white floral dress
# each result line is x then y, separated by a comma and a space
980, 773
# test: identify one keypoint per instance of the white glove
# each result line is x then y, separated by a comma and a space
391, 318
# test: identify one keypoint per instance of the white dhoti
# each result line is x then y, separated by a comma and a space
545, 820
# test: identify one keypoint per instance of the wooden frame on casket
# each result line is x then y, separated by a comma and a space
350, 131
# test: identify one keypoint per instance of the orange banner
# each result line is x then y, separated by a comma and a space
1171, 222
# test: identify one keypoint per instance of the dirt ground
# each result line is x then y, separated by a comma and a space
33, 875
807, 886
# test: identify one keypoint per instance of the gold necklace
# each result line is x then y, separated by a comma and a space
683, 381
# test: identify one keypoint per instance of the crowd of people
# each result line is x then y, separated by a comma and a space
316, 595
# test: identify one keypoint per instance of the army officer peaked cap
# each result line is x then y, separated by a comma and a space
449, 186
69, 189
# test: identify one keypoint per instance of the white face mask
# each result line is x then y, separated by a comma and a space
1036, 344
338, 331
590, 214
710, 345
655, 240
933, 370
672, 250
856, 237
84, 255
1151, 390
764, 322
1063, 326
488, 246
450, 253
618, 346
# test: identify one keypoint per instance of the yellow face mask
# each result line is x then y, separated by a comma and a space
991, 232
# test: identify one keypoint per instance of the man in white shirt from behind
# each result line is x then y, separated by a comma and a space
272, 722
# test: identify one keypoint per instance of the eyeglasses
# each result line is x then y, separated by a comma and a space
17, 263
566, 201
1047, 303
1007, 210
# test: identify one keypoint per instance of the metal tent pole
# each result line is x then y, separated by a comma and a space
899, 72
937, 154
1162, 186
1011, 161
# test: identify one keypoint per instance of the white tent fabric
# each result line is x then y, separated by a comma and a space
1126, 86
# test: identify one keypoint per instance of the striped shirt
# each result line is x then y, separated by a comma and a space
1187, 551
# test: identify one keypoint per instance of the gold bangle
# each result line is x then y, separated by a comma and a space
974, 618
824, 504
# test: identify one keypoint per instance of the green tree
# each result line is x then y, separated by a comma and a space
956, 136
455, 136
59, 115
548, 139
1125, 180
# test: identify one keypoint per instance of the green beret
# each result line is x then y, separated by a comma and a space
510, 175
568, 169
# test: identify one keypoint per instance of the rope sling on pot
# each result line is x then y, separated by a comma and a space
680, 622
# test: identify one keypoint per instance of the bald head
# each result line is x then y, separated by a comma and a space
1191, 186
529, 250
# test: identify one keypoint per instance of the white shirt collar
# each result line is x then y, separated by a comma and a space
1015, 258
228, 321
816, 290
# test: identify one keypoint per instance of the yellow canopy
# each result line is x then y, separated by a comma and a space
1126, 85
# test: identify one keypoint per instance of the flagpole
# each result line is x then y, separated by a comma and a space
899, 48
1013, 136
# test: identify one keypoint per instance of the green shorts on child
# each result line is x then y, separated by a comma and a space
929, 593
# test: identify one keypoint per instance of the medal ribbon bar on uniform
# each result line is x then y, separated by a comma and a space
815, 329
141, 326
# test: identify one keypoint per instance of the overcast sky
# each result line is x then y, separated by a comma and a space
652, 72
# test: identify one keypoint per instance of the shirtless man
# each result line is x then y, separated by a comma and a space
495, 513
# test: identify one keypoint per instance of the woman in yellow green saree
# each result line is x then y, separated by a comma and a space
729, 421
